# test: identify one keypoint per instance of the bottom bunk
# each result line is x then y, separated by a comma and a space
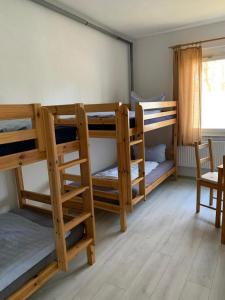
155, 173
27, 249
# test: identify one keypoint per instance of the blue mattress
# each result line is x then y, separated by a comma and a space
68, 133
150, 178
63, 134
132, 123
45, 221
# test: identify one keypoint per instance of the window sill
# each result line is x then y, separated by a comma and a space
213, 132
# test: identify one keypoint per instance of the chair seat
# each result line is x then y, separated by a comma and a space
210, 176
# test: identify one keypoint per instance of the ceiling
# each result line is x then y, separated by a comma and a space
138, 18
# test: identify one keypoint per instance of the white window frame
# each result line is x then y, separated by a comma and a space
211, 132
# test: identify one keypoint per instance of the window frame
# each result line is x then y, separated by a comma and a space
213, 132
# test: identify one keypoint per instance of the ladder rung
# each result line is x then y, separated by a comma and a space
136, 161
84, 243
137, 199
137, 180
76, 221
72, 163
132, 143
69, 195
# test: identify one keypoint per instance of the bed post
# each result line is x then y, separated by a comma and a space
37, 124
55, 189
121, 166
20, 186
139, 119
127, 153
175, 133
86, 180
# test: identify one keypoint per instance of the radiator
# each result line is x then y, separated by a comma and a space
186, 155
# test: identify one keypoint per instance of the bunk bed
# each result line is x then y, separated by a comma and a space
46, 231
121, 192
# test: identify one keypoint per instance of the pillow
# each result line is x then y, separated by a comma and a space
134, 99
155, 153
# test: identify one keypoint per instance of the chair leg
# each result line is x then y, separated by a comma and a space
198, 198
218, 208
211, 197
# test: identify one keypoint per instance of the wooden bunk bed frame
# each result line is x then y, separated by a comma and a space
127, 137
62, 201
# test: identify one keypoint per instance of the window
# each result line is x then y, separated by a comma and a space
213, 97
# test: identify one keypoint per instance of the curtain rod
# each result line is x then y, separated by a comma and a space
198, 42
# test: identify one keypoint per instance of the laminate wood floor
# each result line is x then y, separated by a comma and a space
167, 253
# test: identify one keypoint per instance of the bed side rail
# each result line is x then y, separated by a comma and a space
168, 108
24, 111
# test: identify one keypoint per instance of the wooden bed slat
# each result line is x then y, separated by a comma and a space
12, 161
34, 284
104, 194
14, 111
63, 110
72, 163
113, 183
76, 221
159, 125
136, 161
17, 136
135, 142
102, 121
137, 199
36, 196
105, 107
160, 104
107, 206
153, 185
137, 180
159, 115
102, 134
81, 245
73, 193
68, 147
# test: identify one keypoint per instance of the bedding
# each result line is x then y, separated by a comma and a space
112, 173
131, 120
66, 134
35, 221
14, 125
135, 99
150, 178
22, 245
154, 153
63, 134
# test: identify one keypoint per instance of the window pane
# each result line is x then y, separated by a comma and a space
213, 94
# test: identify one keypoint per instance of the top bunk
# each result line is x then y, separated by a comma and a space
105, 120
22, 133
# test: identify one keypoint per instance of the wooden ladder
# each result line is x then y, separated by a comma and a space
60, 197
138, 142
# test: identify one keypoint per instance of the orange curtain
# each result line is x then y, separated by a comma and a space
187, 80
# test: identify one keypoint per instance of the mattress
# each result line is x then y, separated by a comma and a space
131, 120
150, 177
63, 134
45, 223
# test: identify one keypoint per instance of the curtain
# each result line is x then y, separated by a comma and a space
187, 80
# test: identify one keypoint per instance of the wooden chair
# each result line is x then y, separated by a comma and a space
209, 179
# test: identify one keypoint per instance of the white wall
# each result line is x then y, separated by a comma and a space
153, 59
47, 58
153, 64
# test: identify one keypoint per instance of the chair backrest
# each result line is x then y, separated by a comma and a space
202, 160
